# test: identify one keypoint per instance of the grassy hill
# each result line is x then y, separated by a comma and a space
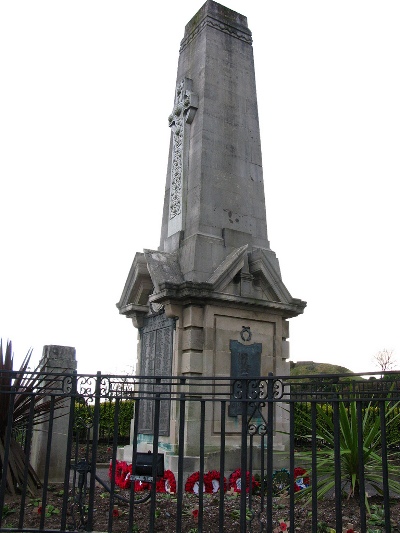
306, 368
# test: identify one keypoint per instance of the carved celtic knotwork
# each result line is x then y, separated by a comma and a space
184, 110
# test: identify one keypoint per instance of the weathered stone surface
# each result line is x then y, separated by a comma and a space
193, 316
214, 272
193, 339
163, 267
55, 359
222, 174
192, 363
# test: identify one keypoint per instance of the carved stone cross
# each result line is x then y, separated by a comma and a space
185, 106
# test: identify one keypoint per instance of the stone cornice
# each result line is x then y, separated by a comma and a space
218, 25
203, 293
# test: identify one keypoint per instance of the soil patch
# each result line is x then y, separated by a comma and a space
166, 510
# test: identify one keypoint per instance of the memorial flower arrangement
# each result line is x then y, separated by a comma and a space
281, 480
235, 481
215, 476
301, 481
123, 472
193, 481
167, 483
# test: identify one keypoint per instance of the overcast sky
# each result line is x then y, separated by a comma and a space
86, 88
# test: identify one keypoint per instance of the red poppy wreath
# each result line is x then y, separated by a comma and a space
192, 483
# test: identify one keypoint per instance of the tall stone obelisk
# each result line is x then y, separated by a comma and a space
214, 283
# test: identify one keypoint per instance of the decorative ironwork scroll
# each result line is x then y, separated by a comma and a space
155, 360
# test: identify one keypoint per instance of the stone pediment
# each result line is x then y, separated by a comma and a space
253, 275
138, 287
264, 267
228, 269
149, 270
243, 277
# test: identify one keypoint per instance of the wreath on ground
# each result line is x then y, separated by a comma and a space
193, 483
280, 481
235, 481
167, 483
123, 473
215, 478
300, 480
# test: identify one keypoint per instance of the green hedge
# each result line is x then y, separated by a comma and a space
84, 418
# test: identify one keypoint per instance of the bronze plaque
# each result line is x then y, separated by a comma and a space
245, 364
155, 360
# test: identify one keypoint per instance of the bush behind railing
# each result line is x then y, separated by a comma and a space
302, 412
84, 414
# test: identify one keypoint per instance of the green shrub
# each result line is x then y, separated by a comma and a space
302, 421
84, 418
349, 449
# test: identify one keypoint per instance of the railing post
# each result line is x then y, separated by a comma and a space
243, 457
134, 457
385, 476
181, 445
155, 456
70, 389
95, 436
27, 450
314, 475
47, 462
270, 446
115, 438
337, 456
360, 443
222, 467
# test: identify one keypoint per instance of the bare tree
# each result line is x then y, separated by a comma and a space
385, 360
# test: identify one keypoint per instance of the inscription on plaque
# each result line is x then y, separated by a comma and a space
155, 360
245, 364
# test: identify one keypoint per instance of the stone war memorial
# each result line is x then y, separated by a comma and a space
210, 302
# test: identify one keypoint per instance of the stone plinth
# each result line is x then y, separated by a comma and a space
55, 359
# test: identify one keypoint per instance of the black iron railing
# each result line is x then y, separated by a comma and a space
297, 440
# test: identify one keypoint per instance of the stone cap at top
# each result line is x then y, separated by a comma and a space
217, 13
55, 354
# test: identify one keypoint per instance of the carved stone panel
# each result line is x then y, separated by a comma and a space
185, 105
245, 364
155, 360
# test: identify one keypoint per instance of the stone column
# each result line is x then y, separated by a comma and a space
55, 359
